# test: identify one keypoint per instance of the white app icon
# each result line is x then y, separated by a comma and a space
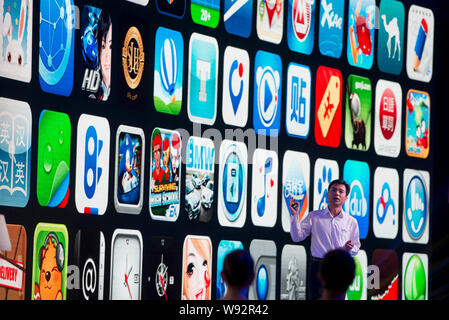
324, 172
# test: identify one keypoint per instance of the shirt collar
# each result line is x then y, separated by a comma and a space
341, 214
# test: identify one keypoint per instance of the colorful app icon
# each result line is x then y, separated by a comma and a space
415, 276
53, 159
415, 217
15, 152
238, 17
417, 124
295, 184
264, 188
391, 36
267, 93
358, 113
386, 203
13, 263
200, 179
328, 106
172, 8
165, 184
386, 261
293, 272
325, 171
361, 26
16, 40
224, 247
50, 256
270, 20
203, 79
96, 52
233, 184
299, 86
330, 39
359, 287
89, 256
168, 70
357, 175
164, 258
126, 265
196, 268
129, 169
92, 165
420, 38
301, 25
263, 253
56, 46
236, 68
206, 13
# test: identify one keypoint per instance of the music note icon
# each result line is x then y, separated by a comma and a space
261, 201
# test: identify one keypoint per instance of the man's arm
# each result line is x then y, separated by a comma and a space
353, 245
298, 230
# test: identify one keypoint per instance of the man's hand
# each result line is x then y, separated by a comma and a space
294, 207
348, 245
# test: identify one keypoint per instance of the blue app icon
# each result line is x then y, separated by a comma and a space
301, 25
357, 175
330, 38
416, 207
56, 43
267, 93
238, 17
224, 247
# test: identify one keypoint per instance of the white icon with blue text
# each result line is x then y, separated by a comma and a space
386, 203
298, 100
325, 172
416, 197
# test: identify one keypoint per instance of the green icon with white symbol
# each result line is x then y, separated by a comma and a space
415, 281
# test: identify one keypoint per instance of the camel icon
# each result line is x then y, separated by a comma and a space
393, 32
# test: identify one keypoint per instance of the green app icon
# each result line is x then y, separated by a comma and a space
355, 290
205, 12
53, 159
415, 282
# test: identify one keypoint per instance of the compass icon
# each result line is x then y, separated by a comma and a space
161, 279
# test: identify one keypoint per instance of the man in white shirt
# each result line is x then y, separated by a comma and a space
331, 228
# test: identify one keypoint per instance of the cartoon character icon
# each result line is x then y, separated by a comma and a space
166, 159
14, 51
360, 40
175, 157
129, 182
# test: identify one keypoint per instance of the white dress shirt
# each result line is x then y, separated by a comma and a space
328, 232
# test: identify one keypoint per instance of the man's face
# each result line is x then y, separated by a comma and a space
157, 155
336, 195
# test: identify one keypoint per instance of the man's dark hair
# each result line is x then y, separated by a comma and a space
238, 268
337, 270
340, 181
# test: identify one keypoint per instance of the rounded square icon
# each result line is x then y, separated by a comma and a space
168, 70
267, 93
200, 179
236, 68
420, 38
53, 159
293, 272
196, 268
15, 152
415, 276
361, 26
417, 124
232, 187
391, 36
92, 164
328, 106
129, 169
206, 13
359, 288
330, 38
238, 17
325, 171
358, 113
357, 175
165, 183
297, 114
386, 263
264, 188
172, 8
415, 216
386, 203
295, 184
56, 46
301, 25
263, 253
141, 2
270, 20
50, 261
388, 118
224, 247
16, 41
126, 265
203, 79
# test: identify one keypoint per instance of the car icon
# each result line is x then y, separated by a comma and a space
193, 201
207, 195
196, 181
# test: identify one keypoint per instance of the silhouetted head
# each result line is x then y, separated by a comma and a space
238, 269
337, 270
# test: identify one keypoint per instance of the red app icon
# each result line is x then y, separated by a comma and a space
328, 106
